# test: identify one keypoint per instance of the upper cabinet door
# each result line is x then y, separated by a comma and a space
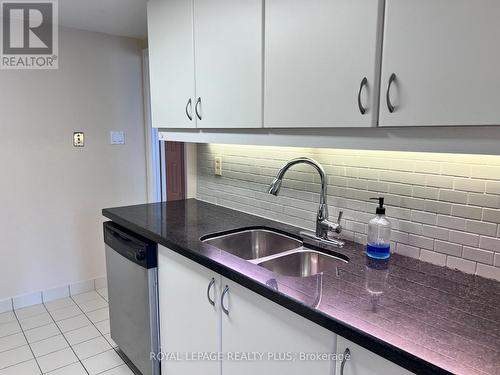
444, 61
171, 63
322, 63
228, 49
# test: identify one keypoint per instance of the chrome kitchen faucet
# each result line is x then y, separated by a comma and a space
323, 225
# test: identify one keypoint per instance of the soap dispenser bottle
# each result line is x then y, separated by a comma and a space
379, 234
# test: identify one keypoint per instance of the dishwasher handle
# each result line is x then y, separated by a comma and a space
130, 245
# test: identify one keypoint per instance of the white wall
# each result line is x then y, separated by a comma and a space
51, 194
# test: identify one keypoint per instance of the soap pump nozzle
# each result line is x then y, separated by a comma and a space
380, 208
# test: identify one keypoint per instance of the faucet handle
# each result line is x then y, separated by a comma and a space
341, 213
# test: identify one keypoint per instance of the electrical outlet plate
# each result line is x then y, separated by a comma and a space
218, 165
79, 139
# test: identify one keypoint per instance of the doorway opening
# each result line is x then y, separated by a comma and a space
172, 171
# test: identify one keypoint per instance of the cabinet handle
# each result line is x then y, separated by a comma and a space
210, 285
226, 289
190, 106
347, 353
364, 82
198, 103
391, 108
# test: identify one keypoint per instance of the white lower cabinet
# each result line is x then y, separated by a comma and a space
189, 323
202, 312
255, 324
364, 362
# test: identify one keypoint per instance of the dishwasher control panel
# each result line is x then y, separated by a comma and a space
130, 245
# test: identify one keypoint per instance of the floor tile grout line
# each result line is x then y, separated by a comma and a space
59, 368
33, 316
92, 323
53, 321
31, 329
93, 338
102, 335
125, 359
55, 351
46, 338
15, 347
84, 313
112, 347
61, 333
112, 344
58, 308
28, 360
76, 356
30, 317
71, 330
112, 368
11, 334
40, 326
27, 342
95, 355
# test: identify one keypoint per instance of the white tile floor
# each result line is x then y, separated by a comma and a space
69, 336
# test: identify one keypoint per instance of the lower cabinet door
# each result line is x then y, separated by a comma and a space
363, 362
189, 323
255, 326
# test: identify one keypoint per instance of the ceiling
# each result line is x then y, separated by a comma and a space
115, 17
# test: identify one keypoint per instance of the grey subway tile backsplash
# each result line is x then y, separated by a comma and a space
448, 248
444, 208
433, 257
461, 264
478, 255
497, 259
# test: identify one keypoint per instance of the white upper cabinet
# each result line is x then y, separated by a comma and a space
322, 63
171, 63
445, 59
228, 50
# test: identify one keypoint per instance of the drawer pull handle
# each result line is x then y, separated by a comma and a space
189, 113
364, 82
390, 106
210, 285
196, 108
347, 353
226, 311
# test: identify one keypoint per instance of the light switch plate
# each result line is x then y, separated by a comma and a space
117, 137
79, 139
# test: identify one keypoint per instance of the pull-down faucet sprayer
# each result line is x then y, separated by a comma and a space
323, 225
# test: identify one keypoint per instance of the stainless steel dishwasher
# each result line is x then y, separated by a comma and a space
131, 265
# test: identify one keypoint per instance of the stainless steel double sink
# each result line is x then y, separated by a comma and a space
275, 251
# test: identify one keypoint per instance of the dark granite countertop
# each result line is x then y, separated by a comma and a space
425, 318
